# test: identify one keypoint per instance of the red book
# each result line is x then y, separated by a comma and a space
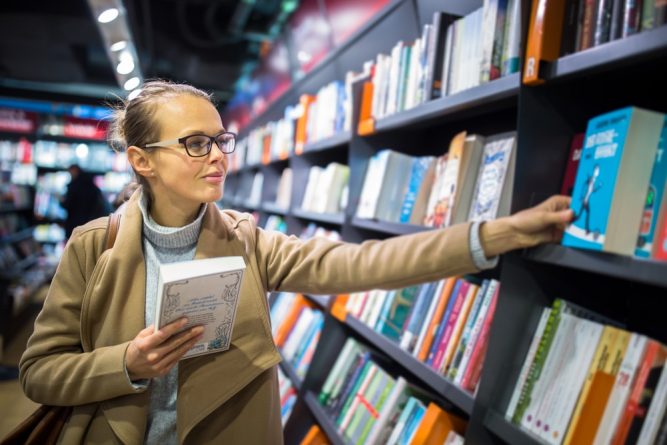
572, 164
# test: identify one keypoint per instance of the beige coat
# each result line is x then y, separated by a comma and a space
96, 305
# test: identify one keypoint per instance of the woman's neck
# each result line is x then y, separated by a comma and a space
169, 214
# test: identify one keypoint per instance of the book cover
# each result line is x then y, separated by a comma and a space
654, 198
614, 169
572, 164
205, 291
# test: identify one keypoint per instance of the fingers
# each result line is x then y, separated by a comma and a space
556, 203
174, 356
163, 334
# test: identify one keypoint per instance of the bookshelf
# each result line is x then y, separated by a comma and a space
289, 371
578, 86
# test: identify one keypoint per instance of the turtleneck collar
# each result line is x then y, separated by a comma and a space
170, 237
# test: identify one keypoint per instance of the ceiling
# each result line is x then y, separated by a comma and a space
53, 48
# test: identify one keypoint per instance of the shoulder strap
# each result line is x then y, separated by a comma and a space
112, 228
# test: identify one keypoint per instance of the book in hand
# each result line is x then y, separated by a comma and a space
205, 291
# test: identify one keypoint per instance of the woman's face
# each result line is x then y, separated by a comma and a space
180, 179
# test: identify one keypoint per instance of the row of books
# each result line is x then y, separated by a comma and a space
275, 223
23, 174
296, 326
315, 117
371, 406
288, 396
471, 181
450, 56
16, 151
584, 382
326, 189
11, 223
621, 159
590, 23
443, 324
15, 195
559, 28
94, 157
49, 233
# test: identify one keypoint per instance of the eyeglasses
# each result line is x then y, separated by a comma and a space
198, 145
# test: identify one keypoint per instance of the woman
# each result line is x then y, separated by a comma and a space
94, 347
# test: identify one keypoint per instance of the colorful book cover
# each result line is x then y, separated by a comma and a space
615, 142
654, 196
572, 164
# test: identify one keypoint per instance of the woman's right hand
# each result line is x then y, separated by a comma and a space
153, 353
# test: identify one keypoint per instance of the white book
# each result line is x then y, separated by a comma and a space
656, 411
523, 374
296, 336
205, 291
381, 429
372, 297
380, 298
372, 184
618, 397
311, 187
567, 384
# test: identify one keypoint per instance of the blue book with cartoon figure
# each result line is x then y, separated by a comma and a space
656, 190
615, 167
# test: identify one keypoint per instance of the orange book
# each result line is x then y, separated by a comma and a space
266, 149
593, 408
366, 121
544, 36
300, 138
315, 436
290, 319
338, 307
436, 425
437, 318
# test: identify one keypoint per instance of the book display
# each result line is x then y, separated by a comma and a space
441, 134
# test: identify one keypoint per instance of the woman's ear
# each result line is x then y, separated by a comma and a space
140, 161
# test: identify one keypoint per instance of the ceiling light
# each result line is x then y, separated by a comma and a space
81, 151
120, 45
108, 15
125, 66
132, 83
134, 93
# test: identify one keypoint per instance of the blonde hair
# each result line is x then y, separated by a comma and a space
133, 122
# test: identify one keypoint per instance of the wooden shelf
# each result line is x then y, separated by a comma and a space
479, 98
329, 143
326, 423
271, 207
326, 218
388, 227
443, 387
617, 53
509, 432
291, 373
617, 266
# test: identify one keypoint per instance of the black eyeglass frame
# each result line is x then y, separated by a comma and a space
182, 141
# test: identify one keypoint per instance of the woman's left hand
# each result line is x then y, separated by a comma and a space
543, 223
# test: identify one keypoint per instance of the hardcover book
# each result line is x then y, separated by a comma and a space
206, 291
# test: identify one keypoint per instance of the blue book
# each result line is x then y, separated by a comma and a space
420, 166
442, 323
393, 321
416, 319
614, 170
656, 190
412, 422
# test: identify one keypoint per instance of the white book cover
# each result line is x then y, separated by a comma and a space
491, 176
205, 291
372, 184
569, 381
621, 390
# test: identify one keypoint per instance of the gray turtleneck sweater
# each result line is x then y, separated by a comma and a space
164, 245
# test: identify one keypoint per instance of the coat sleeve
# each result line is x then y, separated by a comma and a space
321, 266
54, 369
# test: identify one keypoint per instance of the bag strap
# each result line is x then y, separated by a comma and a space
113, 226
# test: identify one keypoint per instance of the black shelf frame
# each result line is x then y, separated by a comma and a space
388, 227
329, 143
638, 47
509, 432
271, 207
327, 218
443, 387
17, 236
479, 99
617, 266
10, 208
290, 372
323, 301
326, 423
